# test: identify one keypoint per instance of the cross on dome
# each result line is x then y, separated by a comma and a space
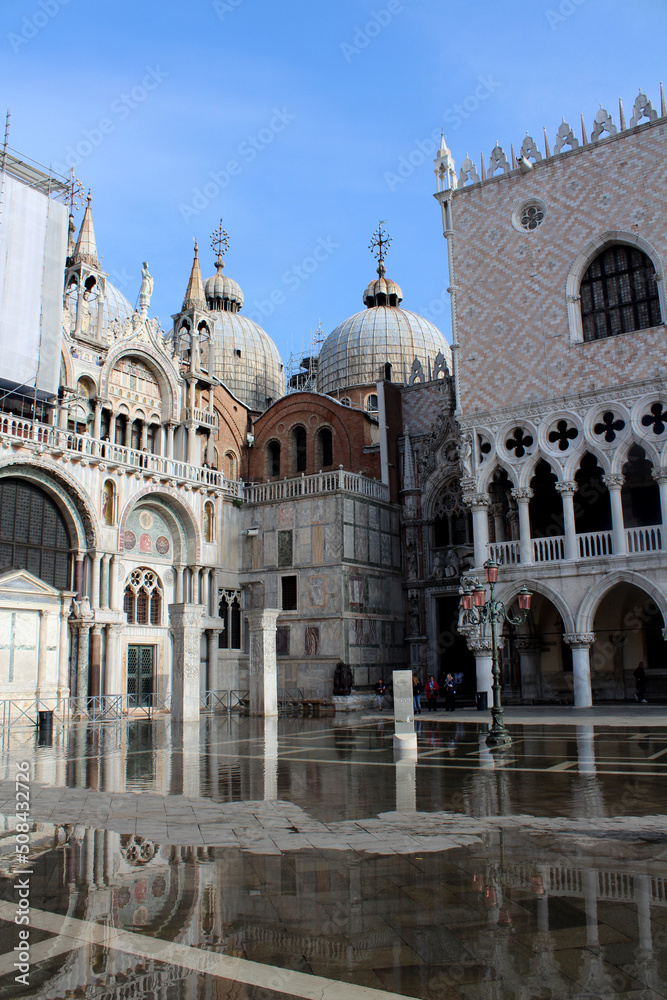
379, 245
220, 242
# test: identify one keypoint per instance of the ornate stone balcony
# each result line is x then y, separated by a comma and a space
589, 545
323, 482
59, 443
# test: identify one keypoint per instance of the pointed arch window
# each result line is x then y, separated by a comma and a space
143, 598
619, 293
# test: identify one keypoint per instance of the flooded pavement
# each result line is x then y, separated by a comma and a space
243, 859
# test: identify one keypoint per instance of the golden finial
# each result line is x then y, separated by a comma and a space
220, 243
75, 192
379, 244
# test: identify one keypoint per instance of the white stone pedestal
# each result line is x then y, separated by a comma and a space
262, 667
185, 622
405, 737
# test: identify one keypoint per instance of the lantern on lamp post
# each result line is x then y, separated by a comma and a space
489, 611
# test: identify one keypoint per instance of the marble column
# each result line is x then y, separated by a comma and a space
479, 505
170, 441
580, 643
112, 428
483, 653
78, 576
95, 583
660, 476
213, 681
567, 489
63, 650
95, 660
192, 457
185, 622
194, 585
204, 588
262, 667
214, 595
42, 655
178, 570
97, 419
615, 484
529, 660
113, 660
82, 671
114, 588
523, 497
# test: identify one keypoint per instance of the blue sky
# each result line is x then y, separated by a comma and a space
296, 122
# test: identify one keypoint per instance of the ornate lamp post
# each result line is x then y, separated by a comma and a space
481, 611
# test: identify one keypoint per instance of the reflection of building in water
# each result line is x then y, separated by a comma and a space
325, 912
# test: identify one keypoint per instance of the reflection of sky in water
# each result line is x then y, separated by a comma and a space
545, 881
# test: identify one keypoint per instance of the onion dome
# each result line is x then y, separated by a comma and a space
383, 291
222, 292
245, 358
382, 341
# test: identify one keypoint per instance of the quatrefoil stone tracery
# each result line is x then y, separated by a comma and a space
656, 419
562, 435
520, 442
609, 426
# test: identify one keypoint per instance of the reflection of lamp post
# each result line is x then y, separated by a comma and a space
482, 611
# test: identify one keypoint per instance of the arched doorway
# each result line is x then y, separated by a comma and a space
453, 655
536, 665
628, 630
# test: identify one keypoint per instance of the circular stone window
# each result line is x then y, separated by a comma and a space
529, 216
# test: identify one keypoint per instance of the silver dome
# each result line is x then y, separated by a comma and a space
116, 306
246, 360
356, 352
222, 292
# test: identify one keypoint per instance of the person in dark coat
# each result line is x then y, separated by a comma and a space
450, 694
640, 683
417, 690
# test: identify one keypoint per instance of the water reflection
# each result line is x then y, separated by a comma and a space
511, 912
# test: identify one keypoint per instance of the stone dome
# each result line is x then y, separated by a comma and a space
116, 306
247, 360
222, 292
356, 352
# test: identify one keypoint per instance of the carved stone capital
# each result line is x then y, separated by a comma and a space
573, 298
522, 494
614, 482
664, 634
579, 640
468, 484
567, 488
477, 645
476, 500
660, 475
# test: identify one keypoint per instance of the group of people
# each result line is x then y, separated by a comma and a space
432, 690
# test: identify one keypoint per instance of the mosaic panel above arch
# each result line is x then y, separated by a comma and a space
148, 532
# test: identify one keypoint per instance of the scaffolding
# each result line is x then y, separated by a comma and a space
301, 375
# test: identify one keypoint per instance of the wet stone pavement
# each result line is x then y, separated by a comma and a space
299, 858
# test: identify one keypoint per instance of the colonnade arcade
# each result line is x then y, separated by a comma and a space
537, 515
580, 654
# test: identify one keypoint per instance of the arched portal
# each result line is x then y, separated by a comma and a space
628, 630
536, 665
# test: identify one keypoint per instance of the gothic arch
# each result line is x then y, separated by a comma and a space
508, 593
587, 609
74, 504
573, 463
621, 454
487, 477
170, 501
585, 257
166, 379
528, 469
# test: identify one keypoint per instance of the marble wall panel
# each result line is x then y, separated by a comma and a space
361, 544
361, 512
348, 541
318, 544
374, 546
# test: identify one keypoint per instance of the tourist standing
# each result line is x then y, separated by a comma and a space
450, 694
432, 688
417, 689
380, 690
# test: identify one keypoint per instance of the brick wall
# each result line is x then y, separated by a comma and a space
511, 303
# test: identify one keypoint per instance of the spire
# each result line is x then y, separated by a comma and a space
86, 247
195, 293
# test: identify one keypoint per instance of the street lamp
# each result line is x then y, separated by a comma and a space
481, 611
